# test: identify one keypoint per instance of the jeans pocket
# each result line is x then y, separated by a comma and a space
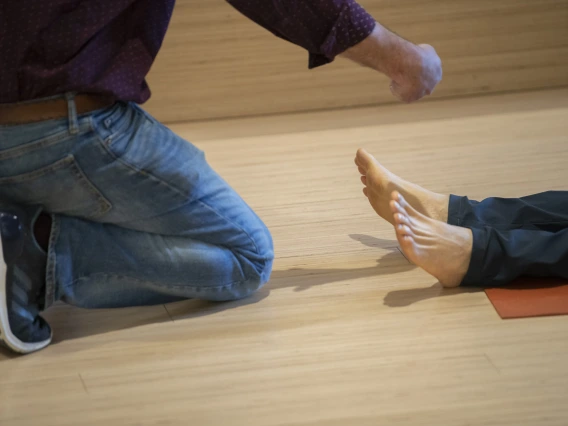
119, 127
143, 146
60, 188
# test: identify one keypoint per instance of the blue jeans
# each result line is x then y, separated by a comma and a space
139, 217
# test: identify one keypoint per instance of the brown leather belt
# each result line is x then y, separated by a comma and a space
49, 109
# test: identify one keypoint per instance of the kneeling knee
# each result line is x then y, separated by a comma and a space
258, 264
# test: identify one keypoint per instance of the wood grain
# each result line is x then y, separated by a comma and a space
216, 63
347, 332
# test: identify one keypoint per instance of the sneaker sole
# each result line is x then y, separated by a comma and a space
6, 335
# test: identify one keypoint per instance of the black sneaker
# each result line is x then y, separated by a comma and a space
22, 282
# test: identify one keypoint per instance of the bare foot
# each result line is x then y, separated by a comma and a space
442, 250
380, 184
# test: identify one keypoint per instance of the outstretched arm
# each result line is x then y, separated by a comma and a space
414, 70
328, 28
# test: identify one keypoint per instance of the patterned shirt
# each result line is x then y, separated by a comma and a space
48, 47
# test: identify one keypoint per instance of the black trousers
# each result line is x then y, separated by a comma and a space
514, 237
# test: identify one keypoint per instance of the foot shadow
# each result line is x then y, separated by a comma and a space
406, 297
374, 242
305, 278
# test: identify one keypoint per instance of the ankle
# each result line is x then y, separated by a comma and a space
465, 238
443, 202
436, 207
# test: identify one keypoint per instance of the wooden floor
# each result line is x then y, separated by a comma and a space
347, 332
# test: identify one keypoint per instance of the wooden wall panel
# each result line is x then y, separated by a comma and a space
216, 63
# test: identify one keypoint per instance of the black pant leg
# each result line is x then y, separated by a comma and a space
547, 211
500, 256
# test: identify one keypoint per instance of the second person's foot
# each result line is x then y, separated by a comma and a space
442, 250
380, 184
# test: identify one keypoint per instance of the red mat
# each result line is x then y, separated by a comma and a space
530, 297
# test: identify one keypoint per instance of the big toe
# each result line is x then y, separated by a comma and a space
364, 159
405, 239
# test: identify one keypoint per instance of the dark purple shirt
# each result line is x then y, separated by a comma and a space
48, 47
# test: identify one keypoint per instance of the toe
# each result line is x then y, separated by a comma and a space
398, 208
400, 219
406, 241
364, 159
403, 229
407, 245
364, 180
393, 206
366, 192
362, 170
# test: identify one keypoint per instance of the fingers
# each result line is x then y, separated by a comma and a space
420, 76
407, 94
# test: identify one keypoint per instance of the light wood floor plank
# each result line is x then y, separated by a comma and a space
347, 332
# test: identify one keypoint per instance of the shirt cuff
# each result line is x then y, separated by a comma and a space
352, 26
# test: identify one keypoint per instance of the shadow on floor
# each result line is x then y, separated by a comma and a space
305, 278
374, 242
6, 355
406, 297
74, 323
70, 323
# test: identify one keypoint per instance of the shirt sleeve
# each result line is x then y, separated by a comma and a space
325, 28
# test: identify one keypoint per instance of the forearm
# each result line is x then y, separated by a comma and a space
414, 70
325, 28
385, 52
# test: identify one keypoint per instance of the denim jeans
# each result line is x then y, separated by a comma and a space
139, 217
